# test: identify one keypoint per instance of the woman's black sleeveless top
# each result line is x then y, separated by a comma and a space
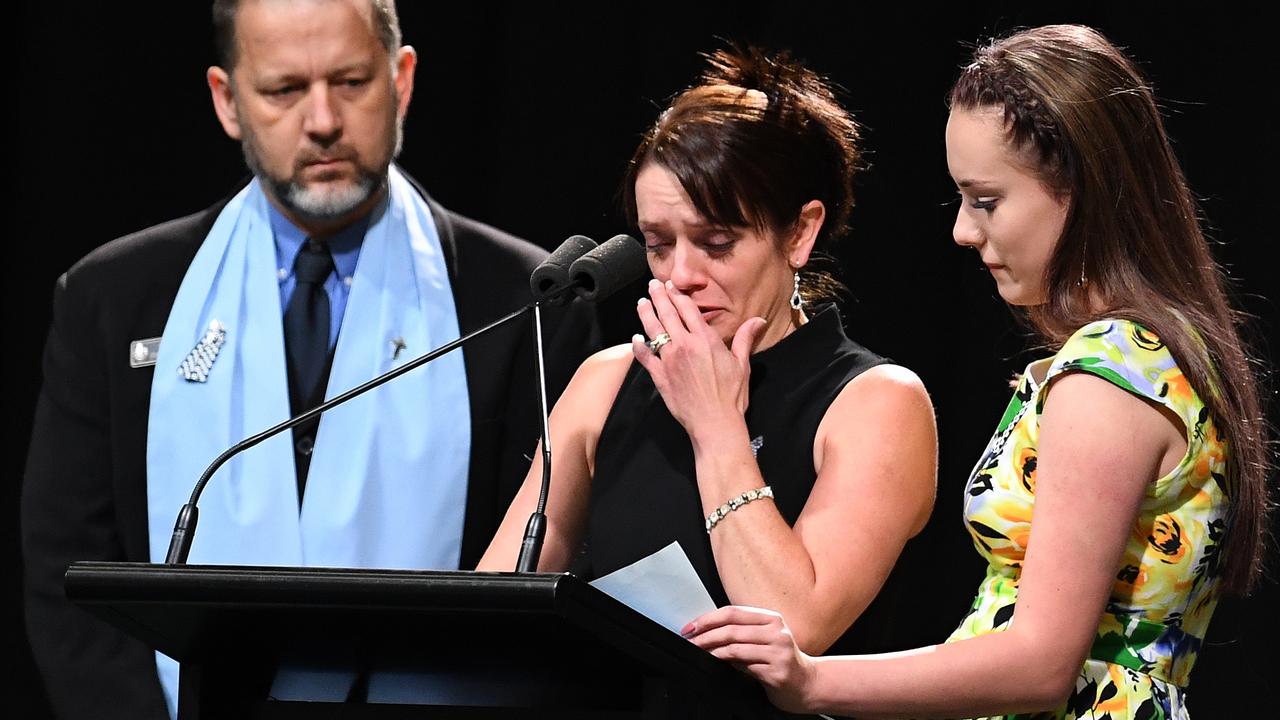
644, 493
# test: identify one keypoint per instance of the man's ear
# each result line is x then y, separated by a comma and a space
224, 101
406, 64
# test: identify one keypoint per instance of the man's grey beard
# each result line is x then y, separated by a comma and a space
322, 205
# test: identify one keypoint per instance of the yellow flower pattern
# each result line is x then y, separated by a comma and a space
1166, 584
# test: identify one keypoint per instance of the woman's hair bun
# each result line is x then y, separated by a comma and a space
778, 75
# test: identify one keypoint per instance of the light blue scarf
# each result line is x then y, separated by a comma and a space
387, 484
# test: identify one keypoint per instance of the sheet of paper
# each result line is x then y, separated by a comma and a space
663, 587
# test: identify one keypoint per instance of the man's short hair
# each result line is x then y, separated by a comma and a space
385, 21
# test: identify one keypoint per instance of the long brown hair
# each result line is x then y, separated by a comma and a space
1080, 109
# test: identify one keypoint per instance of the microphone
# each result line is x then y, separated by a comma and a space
600, 272
592, 272
552, 276
606, 269
604, 281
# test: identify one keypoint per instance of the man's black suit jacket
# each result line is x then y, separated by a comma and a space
84, 494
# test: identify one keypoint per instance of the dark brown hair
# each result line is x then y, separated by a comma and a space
1080, 111
754, 140
385, 21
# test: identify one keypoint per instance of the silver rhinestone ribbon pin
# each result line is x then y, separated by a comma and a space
196, 365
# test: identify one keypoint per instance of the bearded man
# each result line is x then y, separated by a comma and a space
330, 267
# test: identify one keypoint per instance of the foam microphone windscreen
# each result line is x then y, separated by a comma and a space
553, 274
605, 270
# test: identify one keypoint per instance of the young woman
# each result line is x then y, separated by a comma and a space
1124, 488
790, 463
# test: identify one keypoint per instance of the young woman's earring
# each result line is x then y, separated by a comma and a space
797, 302
1083, 282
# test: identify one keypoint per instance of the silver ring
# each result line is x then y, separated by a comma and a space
656, 344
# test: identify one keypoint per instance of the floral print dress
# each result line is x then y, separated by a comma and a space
1166, 585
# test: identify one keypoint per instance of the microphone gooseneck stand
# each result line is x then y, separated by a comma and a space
184, 529
594, 274
535, 531
577, 266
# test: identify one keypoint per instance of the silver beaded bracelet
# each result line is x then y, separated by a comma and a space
734, 503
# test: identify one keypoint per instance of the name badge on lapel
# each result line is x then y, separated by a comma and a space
143, 353
196, 365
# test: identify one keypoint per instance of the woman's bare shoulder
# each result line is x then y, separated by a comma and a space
605, 365
596, 382
888, 385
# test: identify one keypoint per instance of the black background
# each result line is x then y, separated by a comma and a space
525, 116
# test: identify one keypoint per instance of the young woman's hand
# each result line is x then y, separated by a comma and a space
760, 643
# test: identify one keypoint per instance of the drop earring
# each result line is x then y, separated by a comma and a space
1083, 282
797, 302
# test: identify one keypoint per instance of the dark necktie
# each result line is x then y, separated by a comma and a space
306, 324
306, 345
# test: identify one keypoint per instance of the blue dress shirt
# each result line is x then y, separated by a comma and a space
344, 246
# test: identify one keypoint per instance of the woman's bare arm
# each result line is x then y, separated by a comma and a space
575, 424
1100, 449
